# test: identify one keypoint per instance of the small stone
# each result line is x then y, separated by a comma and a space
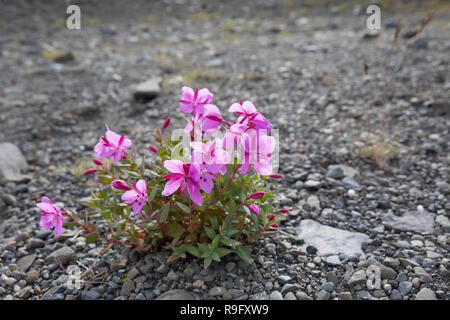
217, 291
311, 249
426, 294
405, 287
147, 90
288, 288
230, 266
290, 296
62, 255
283, 279
312, 184
300, 295
178, 294
172, 275
127, 288
327, 286
333, 261
422, 274
335, 172
323, 295
163, 268
198, 283
34, 243
276, 295
119, 263
396, 295
22, 237
345, 295
416, 283
359, 277
25, 262
32, 276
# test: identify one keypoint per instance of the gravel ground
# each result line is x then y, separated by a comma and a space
365, 156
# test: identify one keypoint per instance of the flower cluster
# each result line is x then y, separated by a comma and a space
228, 200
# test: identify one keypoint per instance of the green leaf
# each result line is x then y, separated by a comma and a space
152, 194
207, 262
151, 173
143, 163
91, 237
229, 242
183, 207
175, 230
164, 213
210, 232
193, 250
132, 174
215, 242
105, 178
203, 248
222, 252
215, 257
242, 252
106, 214
214, 223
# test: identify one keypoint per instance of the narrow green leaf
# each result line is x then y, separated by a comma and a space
164, 213
195, 251
214, 223
210, 232
175, 230
215, 242
183, 207
152, 194
91, 237
242, 252
222, 252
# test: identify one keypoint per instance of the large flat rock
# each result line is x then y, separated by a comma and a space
331, 241
12, 163
415, 221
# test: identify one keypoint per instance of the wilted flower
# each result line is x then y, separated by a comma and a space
137, 197
51, 216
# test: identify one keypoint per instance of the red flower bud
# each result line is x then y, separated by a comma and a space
283, 211
271, 217
166, 123
256, 195
254, 208
89, 171
120, 184
97, 162
274, 225
153, 148
276, 176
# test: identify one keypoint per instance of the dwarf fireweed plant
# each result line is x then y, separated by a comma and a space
207, 194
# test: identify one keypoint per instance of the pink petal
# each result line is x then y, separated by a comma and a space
130, 196
236, 107
175, 166
194, 193
194, 172
141, 186
171, 186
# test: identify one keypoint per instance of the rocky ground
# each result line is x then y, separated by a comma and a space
365, 154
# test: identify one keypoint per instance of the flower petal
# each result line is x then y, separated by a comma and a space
171, 186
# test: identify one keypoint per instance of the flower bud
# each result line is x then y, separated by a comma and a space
274, 225
120, 184
271, 217
153, 148
254, 208
276, 176
256, 195
283, 211
166, 123
89, 171
97, 162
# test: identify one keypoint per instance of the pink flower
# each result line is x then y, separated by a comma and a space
248, 115
254, 208
211, 118
137, 197
51, 216
193, 102
112, 146
120, 185
211, 156
183, 174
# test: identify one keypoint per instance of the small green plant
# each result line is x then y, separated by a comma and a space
208, 202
